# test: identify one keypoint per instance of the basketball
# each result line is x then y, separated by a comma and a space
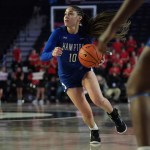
89, 56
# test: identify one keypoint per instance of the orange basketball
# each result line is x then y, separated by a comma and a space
89, 56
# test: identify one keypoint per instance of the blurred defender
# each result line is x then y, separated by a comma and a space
138, 86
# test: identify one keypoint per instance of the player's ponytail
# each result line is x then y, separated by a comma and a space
97, 25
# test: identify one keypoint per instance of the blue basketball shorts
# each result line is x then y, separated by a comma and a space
74, 80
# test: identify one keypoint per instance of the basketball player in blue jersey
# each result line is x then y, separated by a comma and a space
64, 43
138, 86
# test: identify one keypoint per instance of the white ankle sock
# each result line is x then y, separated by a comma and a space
94, 128
144, 148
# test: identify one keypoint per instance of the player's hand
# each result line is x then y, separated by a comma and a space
57, 51
102, 60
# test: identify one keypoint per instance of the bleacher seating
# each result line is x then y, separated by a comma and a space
12, 18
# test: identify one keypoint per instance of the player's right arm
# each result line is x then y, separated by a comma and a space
125, 11
51, 48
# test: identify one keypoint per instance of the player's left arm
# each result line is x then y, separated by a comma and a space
50, 45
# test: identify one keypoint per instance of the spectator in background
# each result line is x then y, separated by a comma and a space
126, 72
40, 93
133, 58
52, 69
17, 60
38, 65
3, 83
115, 58
131, 44
117, 45
124, 56
124, 41
33, 58
140, 49
18, 77
115, 69
120, 63
112, 93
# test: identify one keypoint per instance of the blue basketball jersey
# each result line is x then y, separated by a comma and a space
68, 62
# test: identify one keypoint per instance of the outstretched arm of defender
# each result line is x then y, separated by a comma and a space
125, 11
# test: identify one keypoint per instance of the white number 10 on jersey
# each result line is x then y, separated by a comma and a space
73, 58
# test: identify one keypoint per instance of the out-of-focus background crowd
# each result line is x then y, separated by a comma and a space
24, 29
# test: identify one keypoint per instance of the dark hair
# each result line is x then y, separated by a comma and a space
97, 25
